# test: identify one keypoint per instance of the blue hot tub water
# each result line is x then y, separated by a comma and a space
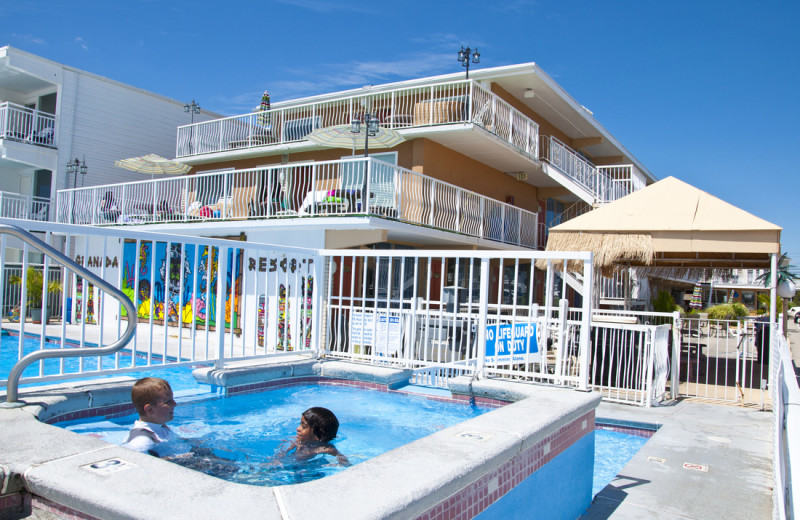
252, 429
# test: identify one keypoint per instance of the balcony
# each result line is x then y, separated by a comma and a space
595, 184
26, 125
302, 191
26, 207
403, 109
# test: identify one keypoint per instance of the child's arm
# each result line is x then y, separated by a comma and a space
331, 450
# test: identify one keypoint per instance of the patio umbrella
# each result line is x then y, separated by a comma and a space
263, 117
153, 164
340, 136
697, 297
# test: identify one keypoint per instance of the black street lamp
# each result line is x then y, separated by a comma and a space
192, 108
464, 57
370, 130
75, 167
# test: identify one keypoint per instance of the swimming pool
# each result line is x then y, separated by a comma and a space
250, 429
180, 377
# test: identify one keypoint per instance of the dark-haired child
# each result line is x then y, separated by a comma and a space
318, 426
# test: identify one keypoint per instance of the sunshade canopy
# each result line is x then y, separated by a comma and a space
340, 136
153, 164
670, 224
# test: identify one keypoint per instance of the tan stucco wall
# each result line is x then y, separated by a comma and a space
434, 160
545, 127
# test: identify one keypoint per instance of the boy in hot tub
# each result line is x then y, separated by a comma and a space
318, 427
153, 399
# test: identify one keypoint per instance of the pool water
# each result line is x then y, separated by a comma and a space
253, 429
180, 378
612, 450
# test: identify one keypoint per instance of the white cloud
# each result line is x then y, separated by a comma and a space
80, 42
29, 38
326, 6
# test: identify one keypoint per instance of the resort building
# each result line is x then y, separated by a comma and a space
488, 163
61, 127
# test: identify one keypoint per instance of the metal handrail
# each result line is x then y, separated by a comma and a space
12, 387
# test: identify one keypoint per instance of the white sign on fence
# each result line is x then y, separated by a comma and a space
508, 343
364, 330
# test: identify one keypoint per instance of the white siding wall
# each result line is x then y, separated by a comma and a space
106, 121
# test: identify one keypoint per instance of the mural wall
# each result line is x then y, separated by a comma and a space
180, 287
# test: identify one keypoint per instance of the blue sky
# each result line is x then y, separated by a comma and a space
706, 91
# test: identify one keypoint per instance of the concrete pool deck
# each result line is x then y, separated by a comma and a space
735, 443
732, 445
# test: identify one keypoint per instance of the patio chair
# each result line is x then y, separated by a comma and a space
702, 323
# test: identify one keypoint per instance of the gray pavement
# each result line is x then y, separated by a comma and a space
729, 454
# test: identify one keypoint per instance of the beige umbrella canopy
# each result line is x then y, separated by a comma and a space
669, 224
341, 136
153, 164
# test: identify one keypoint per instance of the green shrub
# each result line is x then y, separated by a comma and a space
726, 311
663, 302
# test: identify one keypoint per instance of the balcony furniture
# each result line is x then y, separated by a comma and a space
43, 137
438, 111
260, 139
296, 129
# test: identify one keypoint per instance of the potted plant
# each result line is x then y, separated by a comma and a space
34, 286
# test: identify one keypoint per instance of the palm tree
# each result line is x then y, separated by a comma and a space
785, 274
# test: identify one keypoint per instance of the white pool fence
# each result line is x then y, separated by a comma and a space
440, 313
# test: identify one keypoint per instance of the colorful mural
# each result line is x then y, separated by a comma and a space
171, 290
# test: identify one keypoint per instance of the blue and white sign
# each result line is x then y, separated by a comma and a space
512, 343
365, 327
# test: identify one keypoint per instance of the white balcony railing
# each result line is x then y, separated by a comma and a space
625, 178
26, 207
413, 107
303, 190
603, 187
27, 125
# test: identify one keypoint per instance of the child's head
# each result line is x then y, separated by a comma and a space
152, 398
322, 422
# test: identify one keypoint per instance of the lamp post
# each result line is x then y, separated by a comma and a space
370, 130
786, 290
75, 167
192, 108
464, 57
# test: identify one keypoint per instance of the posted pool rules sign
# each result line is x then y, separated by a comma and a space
506, 343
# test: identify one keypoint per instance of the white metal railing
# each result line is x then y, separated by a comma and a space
302, 190
12, 292
786, 431
197, 300
602, 187
25, 207
724, 360
27, 125
625, 178
445, 313
630, 363
412, 107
